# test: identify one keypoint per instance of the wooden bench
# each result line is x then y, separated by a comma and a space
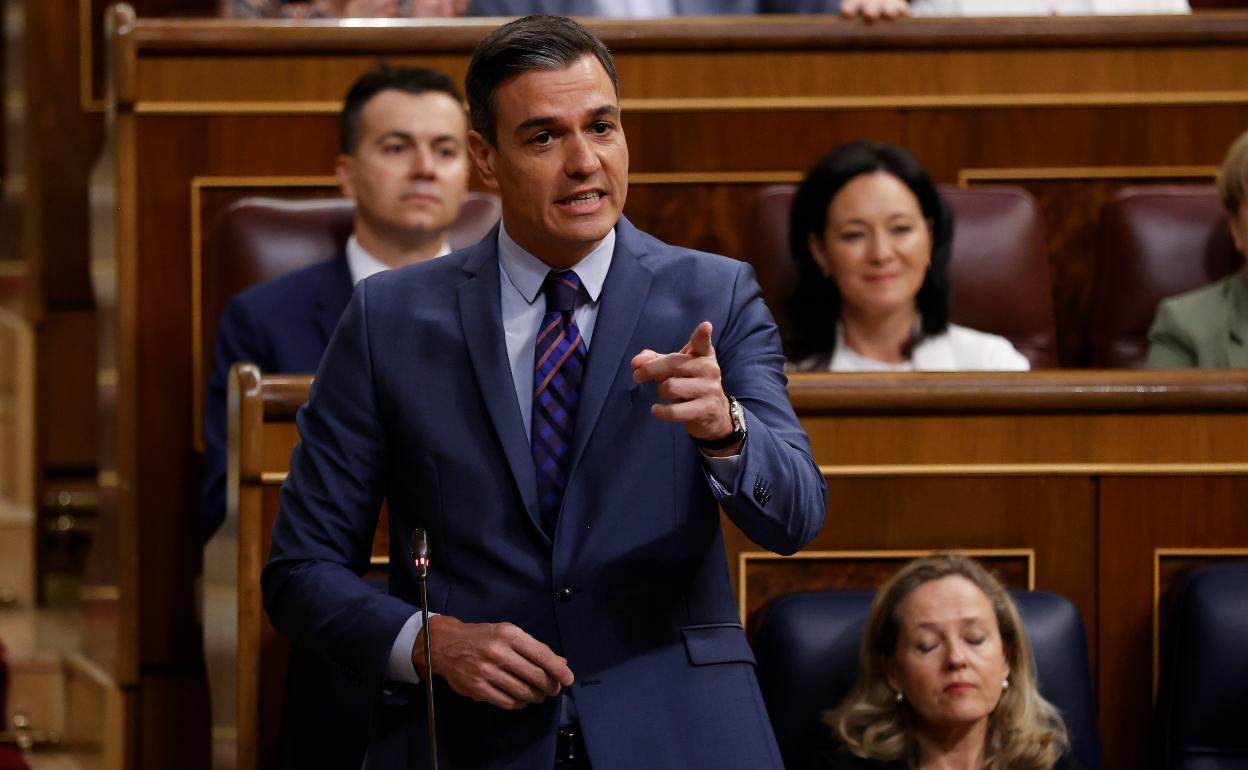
262, 434
1102, 486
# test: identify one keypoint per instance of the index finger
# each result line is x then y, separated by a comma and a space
700, 341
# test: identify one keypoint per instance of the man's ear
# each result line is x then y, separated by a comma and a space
1237, 230
483, 154
344, 169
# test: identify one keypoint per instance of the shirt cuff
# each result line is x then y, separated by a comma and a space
723, 472
400, 667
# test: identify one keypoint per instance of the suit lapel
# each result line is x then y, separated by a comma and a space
333, 296
623, 296
481, 317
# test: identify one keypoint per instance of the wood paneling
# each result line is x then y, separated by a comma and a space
1138, 517
764, 576
754, 99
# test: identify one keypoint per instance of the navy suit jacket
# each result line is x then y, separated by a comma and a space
414, 403
281, 326
682, 7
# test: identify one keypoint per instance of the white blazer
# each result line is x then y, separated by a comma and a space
1046, 7
959, 349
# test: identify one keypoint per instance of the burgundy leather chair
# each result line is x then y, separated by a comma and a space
999, 270
260, 239
1156, 242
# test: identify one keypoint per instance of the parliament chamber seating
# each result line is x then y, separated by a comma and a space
1156, 242
1203, 700
260, 239
807, 651
999, 271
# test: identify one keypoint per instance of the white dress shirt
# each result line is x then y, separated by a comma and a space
1046, 7
362, 264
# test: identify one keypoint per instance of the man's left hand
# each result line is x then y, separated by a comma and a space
689, 380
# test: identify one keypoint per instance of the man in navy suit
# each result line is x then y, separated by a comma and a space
405, 162
563, 407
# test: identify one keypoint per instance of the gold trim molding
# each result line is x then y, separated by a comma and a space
745, 557
1035, 469
762, 103
87, 99
1054, 173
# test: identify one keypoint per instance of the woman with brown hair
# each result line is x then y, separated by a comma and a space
945, 680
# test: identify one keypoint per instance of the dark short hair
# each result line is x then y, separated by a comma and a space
815, 306
409, 80
538, 42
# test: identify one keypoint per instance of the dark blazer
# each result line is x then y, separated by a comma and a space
1205, 328
414, 403
281, 326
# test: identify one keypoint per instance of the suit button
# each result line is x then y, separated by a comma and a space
564, 594
762, 492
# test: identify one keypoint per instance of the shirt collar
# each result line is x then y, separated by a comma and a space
362, 264
527, 273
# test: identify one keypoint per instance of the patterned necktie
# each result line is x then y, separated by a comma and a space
558, 366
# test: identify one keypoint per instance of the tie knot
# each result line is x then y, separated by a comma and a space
562, 290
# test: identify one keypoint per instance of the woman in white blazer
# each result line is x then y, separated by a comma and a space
871, 238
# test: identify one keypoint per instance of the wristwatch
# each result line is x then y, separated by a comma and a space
738, 429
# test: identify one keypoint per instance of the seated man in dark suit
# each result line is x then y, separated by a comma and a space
405, 163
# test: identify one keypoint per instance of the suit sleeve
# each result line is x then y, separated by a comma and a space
1168, 346
237, 339
330, 501
779, 496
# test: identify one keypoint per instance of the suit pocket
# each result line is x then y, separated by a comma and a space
717, 643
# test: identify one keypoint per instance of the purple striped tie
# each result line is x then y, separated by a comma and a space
558, 366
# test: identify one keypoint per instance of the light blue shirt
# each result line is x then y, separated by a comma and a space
521, 276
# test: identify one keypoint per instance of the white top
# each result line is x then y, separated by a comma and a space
1046, 7
959, 349
635, 9
362, 264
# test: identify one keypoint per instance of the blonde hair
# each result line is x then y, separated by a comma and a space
1233, 176
1025, 732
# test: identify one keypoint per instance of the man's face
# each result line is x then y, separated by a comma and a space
409, 173
561, 161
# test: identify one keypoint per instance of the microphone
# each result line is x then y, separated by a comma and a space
420, 560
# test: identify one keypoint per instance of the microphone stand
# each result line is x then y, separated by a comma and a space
420, 559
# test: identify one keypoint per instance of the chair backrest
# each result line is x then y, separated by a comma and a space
1156, 242
1203, 698
999, 270
807, 651
260, 239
